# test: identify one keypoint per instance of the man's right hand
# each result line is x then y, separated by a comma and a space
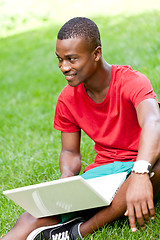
65, 175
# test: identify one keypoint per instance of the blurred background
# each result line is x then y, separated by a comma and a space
21, 15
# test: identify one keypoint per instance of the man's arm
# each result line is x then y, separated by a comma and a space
70, 158
139, 195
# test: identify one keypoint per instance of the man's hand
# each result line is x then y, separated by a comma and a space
139, 199
67, 174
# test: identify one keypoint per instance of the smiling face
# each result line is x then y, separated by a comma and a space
76, 60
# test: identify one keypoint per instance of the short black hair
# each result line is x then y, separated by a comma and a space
81, 27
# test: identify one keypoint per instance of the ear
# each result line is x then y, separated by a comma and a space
97, 53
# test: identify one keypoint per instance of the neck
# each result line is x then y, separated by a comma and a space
97, 87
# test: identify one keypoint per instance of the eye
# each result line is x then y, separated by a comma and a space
59, 59
72, 59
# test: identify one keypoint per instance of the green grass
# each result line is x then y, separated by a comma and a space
30, 83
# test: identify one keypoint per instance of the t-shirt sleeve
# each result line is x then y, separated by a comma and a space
137, 87
63, 119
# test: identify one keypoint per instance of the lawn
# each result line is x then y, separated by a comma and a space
30, 83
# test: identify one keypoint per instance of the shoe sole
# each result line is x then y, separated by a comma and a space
35, 232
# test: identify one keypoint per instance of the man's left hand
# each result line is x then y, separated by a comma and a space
139, 197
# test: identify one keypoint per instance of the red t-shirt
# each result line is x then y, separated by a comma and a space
112, 124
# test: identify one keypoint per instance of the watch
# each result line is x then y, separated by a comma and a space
141, 166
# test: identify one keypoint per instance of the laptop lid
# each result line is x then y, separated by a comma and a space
65, 195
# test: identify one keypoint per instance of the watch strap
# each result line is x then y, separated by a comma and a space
141, 166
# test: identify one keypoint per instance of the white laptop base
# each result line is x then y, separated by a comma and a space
66, 195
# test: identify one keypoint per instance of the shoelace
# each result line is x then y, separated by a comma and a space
61, 236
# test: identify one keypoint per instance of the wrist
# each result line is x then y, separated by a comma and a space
139, 175
139, 178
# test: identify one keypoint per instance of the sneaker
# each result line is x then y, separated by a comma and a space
64, 231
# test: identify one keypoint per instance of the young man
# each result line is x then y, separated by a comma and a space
117, 108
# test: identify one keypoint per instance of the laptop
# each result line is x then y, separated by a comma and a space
67, 195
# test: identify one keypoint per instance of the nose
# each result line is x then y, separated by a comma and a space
64, 66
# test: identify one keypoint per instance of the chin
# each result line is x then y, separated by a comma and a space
74, 84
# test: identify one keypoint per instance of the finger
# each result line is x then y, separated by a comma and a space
126, 213
145, 211
131, 216
139, 215
151, 209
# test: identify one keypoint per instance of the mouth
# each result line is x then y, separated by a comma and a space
69, 77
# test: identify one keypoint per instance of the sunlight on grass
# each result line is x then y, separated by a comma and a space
20, 15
